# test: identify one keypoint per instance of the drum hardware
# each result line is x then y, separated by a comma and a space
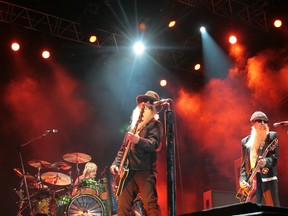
19, 148
61, 166
29, 177
56, 178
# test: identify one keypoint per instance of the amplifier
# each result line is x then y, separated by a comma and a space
215, 198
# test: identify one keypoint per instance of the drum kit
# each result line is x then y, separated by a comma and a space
51, 189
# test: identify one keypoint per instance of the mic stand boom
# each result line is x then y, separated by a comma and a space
23, 168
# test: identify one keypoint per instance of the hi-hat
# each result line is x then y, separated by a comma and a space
77, 157
56, 178
40, 164
29, 177
61, 165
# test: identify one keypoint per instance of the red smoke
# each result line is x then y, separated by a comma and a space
38, 104
213, 121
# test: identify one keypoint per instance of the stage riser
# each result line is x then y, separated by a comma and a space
243, 209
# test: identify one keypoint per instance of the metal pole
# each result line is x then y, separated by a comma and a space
23, 167
170, 142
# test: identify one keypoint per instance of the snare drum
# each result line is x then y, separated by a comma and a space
88, 186
83, 204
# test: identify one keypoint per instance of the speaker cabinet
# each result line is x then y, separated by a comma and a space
216, 198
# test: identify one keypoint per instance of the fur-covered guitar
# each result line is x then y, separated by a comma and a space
245, 194
123, 170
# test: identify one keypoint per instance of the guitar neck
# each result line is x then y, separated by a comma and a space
127, 148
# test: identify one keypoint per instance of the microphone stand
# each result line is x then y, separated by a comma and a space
170, 159
23, 168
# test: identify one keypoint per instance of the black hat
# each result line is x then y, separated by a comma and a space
150, 95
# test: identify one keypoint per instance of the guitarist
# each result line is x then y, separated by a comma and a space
142, 157
265, 182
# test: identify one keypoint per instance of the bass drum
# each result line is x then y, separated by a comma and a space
86, 204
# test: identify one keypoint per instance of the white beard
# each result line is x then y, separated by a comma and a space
256, 140
148, 114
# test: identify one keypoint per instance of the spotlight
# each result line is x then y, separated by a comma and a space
142, 26
93, 39
163, 82
45, 54
138, 48
197, 67
15, 46
277, 23
232, 39
202, 29
172, 23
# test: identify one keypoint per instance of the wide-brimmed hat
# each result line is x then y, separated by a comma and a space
150, 95
258, 115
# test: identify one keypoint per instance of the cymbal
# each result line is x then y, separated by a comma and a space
40, 164
61, 165
56, 178
29, 177
77, 157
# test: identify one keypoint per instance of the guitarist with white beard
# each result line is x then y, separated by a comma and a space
266, 182
145, 143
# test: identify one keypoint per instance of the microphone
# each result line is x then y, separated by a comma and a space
51, 131
161, 102
282, 123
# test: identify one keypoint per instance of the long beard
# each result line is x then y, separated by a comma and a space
149, 113
256, 140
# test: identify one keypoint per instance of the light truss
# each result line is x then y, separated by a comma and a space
249, 14
56, 26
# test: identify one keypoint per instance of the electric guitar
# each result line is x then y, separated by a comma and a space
245, 194
123, 170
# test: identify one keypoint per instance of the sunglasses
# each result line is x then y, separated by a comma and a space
260, 121
147, 100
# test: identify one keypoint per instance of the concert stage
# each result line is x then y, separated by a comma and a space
241, 210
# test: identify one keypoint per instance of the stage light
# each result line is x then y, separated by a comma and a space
202, 29
142, 26
277, 23
15, 46
197, 67
163, 82
93, 39
139, 48
45, 54
172, 23
232, 39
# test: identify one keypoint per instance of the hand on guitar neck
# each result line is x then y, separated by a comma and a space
114, 169
133, 138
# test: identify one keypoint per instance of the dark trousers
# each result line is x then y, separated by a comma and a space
268, 191
141, 182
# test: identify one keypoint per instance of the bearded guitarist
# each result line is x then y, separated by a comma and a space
265, 183
140, 164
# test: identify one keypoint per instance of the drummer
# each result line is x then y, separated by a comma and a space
89, 173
